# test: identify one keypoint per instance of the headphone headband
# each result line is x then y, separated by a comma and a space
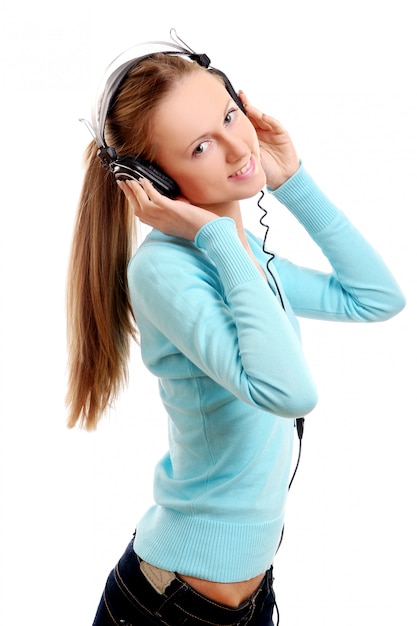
116, 72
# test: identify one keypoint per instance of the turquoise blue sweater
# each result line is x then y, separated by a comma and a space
232, 372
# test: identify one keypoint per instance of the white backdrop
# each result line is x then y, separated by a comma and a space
341, 78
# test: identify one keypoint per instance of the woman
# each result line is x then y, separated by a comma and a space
217, 321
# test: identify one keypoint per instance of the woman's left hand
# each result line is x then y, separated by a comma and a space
278, 155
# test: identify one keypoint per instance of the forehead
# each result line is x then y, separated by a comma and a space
191, 109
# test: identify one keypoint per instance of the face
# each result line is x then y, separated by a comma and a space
207, 144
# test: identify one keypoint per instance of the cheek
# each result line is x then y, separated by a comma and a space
200, 190
200, 185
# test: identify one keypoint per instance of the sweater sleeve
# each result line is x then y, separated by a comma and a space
214, 308
360, 287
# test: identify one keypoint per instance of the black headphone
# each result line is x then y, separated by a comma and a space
130, 167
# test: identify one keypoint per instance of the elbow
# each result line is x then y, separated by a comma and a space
393, 305
396, 305
301, 395
294, 401
299, 404
385, 305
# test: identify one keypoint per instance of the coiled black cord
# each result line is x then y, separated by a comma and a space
299, 422
268, 252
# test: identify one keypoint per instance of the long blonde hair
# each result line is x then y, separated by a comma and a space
100, 323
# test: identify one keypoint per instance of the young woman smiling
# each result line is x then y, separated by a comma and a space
217, 323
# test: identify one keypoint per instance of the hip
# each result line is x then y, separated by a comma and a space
138, 594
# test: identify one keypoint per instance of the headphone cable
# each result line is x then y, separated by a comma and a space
299, 421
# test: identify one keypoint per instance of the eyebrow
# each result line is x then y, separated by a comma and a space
226, 109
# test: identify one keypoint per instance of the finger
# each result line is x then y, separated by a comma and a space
263, 122
243, 97
136, 197
274, 123
128, 192
135, 194
257, 117
253, 113
256, 114
152, 193
137, 187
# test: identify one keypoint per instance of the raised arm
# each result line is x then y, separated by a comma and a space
360, 287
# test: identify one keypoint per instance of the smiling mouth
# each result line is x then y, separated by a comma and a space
243, 169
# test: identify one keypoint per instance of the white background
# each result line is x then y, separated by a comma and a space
342, 78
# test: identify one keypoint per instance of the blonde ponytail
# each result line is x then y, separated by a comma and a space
100, 323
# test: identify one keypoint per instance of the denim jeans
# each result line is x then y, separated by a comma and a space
135, 595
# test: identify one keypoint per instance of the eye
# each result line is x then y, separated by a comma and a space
205, 145
230, 116
201, 148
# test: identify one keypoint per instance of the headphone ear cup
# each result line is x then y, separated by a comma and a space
131, 168
229, 87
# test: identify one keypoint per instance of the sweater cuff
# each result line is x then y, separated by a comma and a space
220, 240
305, 200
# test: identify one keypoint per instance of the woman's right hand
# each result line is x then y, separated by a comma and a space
177, 218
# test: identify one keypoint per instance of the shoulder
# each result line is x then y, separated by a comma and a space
159, 250
162, 261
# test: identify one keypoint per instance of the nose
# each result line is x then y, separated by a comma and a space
235, 148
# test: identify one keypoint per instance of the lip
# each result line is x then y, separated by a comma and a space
248, 170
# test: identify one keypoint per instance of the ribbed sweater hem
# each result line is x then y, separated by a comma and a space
220, 551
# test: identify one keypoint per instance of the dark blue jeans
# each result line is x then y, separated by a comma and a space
129, 599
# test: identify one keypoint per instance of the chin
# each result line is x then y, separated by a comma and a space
256, 186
